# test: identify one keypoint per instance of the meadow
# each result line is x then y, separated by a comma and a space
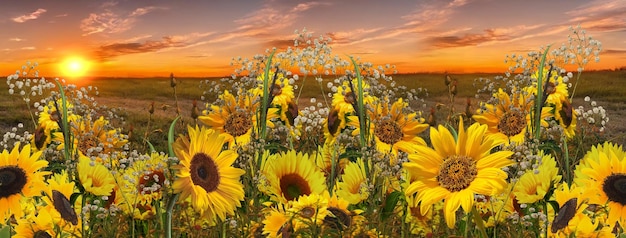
134, 96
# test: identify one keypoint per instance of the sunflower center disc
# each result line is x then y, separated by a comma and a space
293, 186
87, 142
307, 212
614, 187
204, 172
457, 172
12, 180
237, 124
512, 123
388, 131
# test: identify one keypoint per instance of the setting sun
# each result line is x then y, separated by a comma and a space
74, 67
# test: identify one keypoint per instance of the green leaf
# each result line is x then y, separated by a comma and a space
152, 150
538, 98
5, 231
170, 137
390, 204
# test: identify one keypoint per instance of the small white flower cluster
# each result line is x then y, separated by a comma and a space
21, 84
311, 119
596, 117
13, 136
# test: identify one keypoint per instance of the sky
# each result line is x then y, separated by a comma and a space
127, 38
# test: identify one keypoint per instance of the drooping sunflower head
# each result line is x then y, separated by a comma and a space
457, 169
205, 174
292, 174
20, 176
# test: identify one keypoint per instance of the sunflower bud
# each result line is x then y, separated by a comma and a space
151, 109
432, 120
172, 80
194, 110
468, 108
447, 80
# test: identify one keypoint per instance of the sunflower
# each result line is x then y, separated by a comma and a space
393, 130
206, 176
92, 137
291, 175
145, 178
324, 160
509, 118
48, 123
40, 225
605, 184
534, 185
309, 210
58, 205
594, 154
277, 224
282, 96
352, 186
20, 176
339, 217
343, 105
237, 118
456, 170
572, 218
95, 177
497, 209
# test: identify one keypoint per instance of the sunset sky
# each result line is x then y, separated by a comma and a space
198, 38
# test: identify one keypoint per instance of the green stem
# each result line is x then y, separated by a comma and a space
479, 222
568, 172
571, 98
538, 97
363, 135
66, 130
168, 214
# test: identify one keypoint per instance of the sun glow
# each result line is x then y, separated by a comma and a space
74, 67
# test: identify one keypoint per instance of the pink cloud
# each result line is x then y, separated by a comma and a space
32, 16
110, 22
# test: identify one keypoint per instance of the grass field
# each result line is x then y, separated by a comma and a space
135, 95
